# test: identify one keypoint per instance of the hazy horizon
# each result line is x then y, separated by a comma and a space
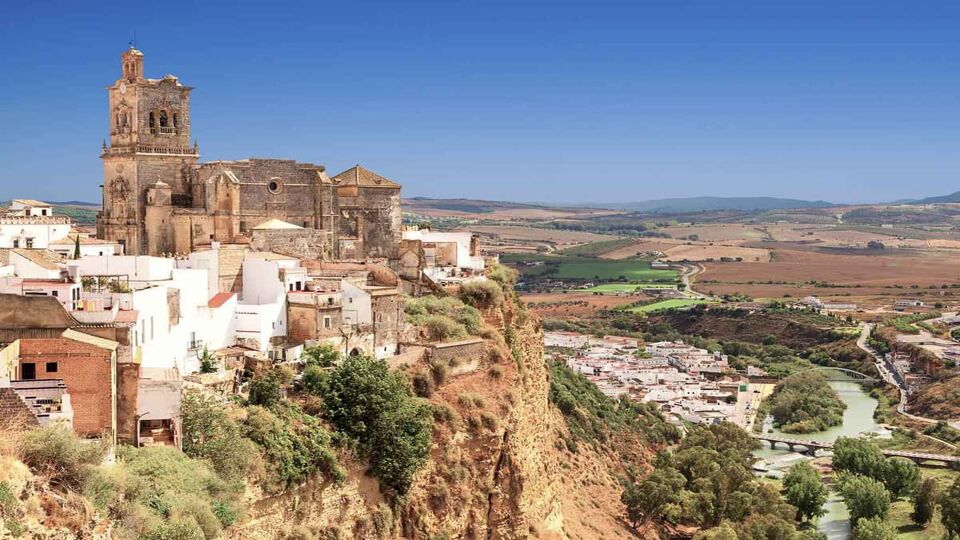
555, 102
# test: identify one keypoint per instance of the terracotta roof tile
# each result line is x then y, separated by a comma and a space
219, 299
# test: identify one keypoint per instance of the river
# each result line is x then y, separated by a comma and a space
857, 419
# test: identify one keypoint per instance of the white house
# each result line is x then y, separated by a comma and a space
31, 224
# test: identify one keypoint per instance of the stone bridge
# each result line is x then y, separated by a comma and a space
811, 447
848, 375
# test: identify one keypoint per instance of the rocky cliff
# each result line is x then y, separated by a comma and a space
498, 467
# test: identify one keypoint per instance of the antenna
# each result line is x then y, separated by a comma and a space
133, 42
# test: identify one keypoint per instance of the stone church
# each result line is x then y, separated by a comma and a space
159, 199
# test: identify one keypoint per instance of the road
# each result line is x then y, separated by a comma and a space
888, 377
690, 270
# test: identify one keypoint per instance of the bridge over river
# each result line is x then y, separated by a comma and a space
811, 447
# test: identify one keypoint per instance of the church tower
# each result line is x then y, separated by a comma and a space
149, 143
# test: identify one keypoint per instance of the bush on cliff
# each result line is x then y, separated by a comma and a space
445, 319
482, 294
159, 492
376, 408
57, 453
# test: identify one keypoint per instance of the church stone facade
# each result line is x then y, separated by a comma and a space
159, 199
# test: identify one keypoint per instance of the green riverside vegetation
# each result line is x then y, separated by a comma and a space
805, 403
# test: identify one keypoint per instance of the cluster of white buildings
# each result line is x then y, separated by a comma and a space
157, 320
686, 382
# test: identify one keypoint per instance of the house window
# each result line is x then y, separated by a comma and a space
16, 243
326, 322
55, 294
28, 371
29, 243
52, 367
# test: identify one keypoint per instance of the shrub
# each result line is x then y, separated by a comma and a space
466, 319
323, 355
56, 452
211, 435
469, 399
174, 530
481, 294
438, 370
265, 389
423, 384
159, 492
314, 379
443, 328
295, 445
496, 372
489, 420
376, 408
208, 362
504, 275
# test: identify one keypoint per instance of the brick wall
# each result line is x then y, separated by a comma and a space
87, 371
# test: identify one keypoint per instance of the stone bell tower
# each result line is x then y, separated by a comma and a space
149, 143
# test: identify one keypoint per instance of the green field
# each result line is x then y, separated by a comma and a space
634, 270
598, 248
628, 287
667, 304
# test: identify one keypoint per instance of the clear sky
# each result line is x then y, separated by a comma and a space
521, 100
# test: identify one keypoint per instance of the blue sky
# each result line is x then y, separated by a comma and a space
524, 100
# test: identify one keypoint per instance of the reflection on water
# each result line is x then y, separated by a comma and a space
857, 418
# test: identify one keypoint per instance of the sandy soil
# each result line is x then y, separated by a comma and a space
575, 303
905, 269
703, 253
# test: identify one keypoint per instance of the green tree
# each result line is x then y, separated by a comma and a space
950, 510
865, 497
208, 362
314, 379
859, 456
646, 500
722, 532
901, 477
266, 388
924, 502
210, 434
322, 355
803, 489
874, 529
804, 403
376, 407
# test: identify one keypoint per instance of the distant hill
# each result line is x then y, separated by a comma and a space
82, 213
951, 198
707, 204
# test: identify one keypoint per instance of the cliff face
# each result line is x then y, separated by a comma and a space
497, 469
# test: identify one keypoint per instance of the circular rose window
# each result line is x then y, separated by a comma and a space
275, 185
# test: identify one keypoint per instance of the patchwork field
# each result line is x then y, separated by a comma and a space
616, 288
560, 238
673, 303
706, 253
632, 270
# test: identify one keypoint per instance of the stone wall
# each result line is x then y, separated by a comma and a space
301, 243
462, 356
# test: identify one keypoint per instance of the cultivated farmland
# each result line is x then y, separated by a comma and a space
673, 303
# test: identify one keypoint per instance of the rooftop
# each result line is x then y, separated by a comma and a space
358, 176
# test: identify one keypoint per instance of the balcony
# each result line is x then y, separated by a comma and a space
163, 130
